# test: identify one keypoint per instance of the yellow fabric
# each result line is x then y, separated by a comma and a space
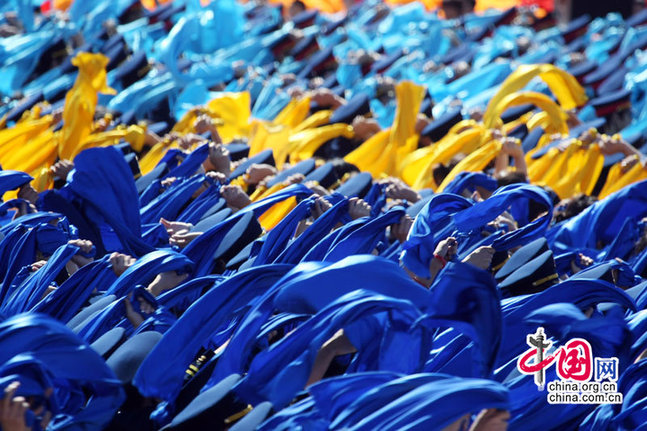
185, 124
152, 4
465, 142
262, 193
563, 85
81, 101
409, 97
153, 157
557, 117
265, 135
587, 173
537, 168
367, 155
617, 179
317, 119
136, 137
294, 113
569, 172
14, 139
476, 161
276, 213
302, 145
235, 111
384, 152
416, 161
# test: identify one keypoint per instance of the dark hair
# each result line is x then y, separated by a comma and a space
440, 171
342, 167
535, 209
512, 177
571, 207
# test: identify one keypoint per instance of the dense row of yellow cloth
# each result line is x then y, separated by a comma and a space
32, 146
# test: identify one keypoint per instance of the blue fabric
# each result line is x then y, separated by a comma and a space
63, 303
421, 401
446, 213
11, 180
102, 179
202, 249
162, 372
169, 204
147, 267
469, 181
296, 250
277, 374
29, 293
278, 238
75, 366
602, 220
365, 238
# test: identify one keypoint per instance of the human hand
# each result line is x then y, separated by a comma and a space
316, 188
203, 123
447, 248
512, 147
580, 262
358, 208
86, 247
13, 409
295, 179
481, 257
258, 172
235, 197
183, 238
37, 265
24, 208
173, 227
62, 168
121, 262
491, 420
217, 176
399, 190
166, 281
400, 231
320, 206
628, 162
218, 159
28, 193
166, 182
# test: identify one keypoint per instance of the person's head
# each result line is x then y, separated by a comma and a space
468, 6
296, 8
364, 128
523, 44
511, 177
342, 167
535, 209
440, 171
568, 208
452, 9
460, 68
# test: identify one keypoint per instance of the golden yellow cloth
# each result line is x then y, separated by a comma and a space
266, 135
302, 145
556, 115
618, 179
81, 101
563, 85
418, 173
294, 113
384, 153
475, 162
